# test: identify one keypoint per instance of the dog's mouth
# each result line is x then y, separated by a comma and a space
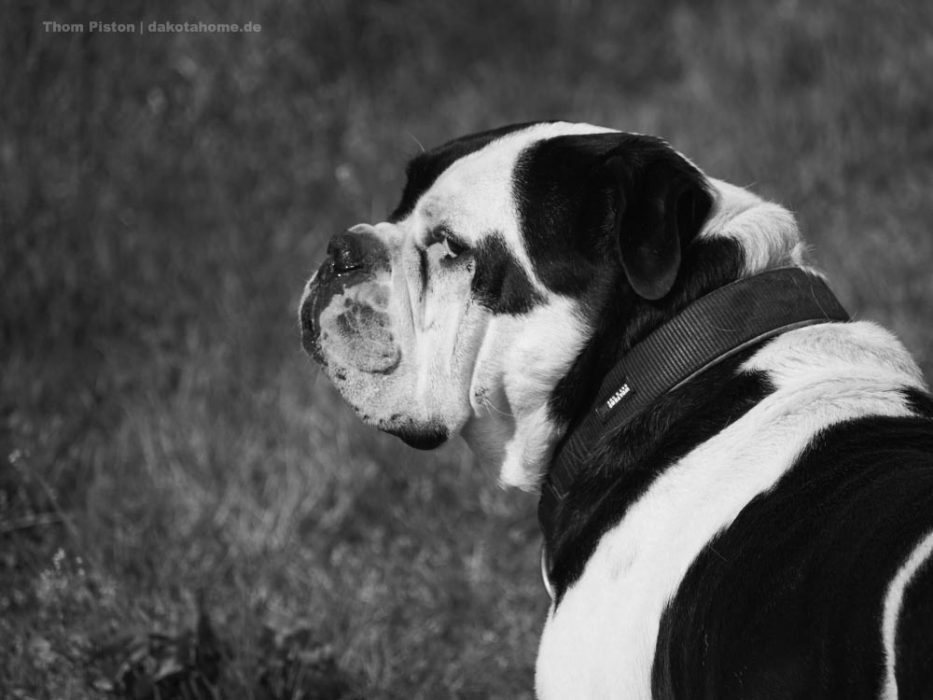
349, 331
310, 330
349, 325
359, 335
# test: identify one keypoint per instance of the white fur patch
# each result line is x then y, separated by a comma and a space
601, 641
521, 360
767, 232
892, 610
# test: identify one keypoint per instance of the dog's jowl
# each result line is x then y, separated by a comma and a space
736, 479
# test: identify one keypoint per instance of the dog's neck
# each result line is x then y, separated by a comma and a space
670, 392
744, 235
629, 457
709, 331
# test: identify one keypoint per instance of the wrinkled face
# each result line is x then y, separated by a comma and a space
463, 311
390, 317
401, 314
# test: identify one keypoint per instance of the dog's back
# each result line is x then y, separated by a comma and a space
788, 555
825, 579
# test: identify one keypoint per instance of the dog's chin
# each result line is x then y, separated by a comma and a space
375, 375
422, 437
384, 399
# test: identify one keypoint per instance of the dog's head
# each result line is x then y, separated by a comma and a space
516, 266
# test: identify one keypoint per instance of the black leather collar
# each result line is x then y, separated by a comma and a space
711, 329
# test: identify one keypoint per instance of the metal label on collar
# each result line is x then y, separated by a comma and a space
613, 400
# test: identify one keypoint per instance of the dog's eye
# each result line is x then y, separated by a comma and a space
453, 246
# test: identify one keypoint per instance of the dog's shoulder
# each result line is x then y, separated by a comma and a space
717, 545
811, 572
857, 350
827, 569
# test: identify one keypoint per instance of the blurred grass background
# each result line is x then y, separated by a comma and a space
164, 197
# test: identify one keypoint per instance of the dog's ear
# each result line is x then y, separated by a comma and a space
662, 201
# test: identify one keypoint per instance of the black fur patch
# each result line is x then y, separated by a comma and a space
425, 168
626, 462
920, 402
499, 281
787, 602
570, 201
566, 210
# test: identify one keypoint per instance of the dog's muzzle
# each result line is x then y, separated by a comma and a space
357, 321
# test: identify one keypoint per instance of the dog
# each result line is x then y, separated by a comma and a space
736, 479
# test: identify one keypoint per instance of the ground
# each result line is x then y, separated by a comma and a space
173, 464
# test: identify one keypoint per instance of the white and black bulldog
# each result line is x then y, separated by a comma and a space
736, 480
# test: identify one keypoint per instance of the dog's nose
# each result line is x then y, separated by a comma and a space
347, 251
358, 248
